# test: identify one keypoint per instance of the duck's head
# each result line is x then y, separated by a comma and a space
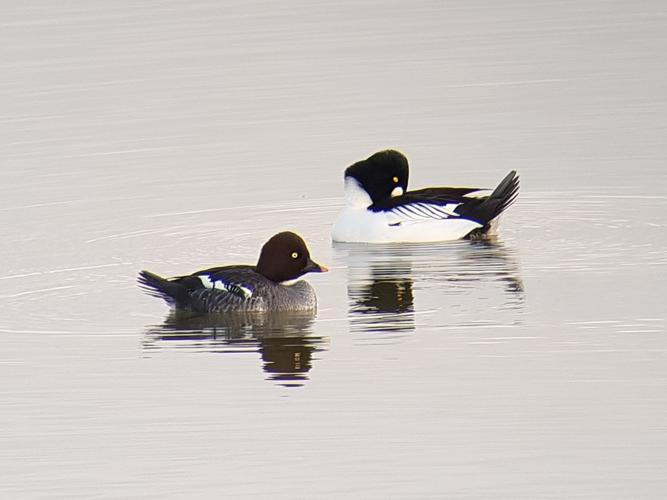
381, 176
285, 257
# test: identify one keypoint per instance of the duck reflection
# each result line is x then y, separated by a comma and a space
383, 295
285, 341
489, 259
382, 280
379, 290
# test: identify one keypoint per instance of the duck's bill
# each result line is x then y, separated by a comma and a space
314, 267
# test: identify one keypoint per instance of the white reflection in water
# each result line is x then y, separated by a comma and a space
388, 283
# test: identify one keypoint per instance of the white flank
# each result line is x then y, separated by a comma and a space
363, 226
357, 224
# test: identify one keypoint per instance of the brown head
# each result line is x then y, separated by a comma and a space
285, 257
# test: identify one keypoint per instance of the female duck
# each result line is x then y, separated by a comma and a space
268, 286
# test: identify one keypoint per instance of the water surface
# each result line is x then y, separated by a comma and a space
174, 136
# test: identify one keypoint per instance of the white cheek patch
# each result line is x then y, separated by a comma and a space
397, 191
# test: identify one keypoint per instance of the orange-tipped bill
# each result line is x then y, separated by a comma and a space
314, 267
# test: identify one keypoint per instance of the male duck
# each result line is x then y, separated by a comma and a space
380, 209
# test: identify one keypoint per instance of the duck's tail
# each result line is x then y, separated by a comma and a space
504, 195
170, 291
485, 210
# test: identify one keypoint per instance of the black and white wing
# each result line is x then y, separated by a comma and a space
224, 288
415, 212
440, 203
421, 206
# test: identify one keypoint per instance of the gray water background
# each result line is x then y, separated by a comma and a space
178, 135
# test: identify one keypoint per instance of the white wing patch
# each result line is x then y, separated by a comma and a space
246, 291
206, 280
418, 212
227, 287
481, 193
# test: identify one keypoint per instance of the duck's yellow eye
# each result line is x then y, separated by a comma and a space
295, 255
396, 180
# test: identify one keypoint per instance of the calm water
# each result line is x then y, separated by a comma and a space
178, 135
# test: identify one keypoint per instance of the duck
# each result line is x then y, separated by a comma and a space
380, 209
271, 285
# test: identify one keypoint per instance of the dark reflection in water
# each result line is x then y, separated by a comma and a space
285, 341
383, 281
489, 260
380, 293
383, 294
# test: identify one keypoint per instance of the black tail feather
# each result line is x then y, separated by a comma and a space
504, 195
484, 210
157, 286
